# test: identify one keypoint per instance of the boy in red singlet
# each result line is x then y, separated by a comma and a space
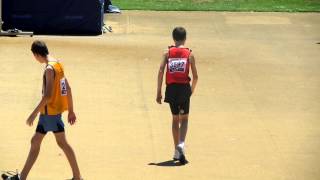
177, 62
56, 98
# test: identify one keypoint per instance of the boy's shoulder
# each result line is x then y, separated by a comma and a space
49, 66
165, 52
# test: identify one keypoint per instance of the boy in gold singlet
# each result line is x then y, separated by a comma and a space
56, 98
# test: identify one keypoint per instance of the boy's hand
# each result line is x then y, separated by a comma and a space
72, 118
31, 119
159, 97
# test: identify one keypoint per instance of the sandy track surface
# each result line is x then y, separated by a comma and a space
254, 116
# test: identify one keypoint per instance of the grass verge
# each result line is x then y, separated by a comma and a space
221, 5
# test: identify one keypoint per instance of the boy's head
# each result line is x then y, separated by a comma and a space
39, 49
179, 34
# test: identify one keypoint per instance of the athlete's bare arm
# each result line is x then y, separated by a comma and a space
71, 115
194, 72
160, 77
49, 75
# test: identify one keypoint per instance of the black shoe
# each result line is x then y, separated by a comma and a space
182, 158
9, 175
176, 155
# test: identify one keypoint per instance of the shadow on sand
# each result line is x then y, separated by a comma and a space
167, 163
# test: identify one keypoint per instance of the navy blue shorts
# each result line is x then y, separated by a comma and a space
52, 123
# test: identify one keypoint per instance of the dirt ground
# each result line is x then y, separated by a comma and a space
254, 116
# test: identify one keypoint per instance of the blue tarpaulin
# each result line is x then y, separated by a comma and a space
78, 17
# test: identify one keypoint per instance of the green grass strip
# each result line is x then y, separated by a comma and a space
221, 5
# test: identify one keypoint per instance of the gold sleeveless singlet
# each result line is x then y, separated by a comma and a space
58, 102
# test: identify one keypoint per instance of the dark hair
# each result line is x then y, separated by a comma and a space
179, 34
40, 48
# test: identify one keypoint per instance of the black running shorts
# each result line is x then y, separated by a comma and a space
180, 108
178, 96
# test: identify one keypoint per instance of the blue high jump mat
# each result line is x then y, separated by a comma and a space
58, 17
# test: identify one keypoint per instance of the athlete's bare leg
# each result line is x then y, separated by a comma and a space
67, 149
33, 154
175, 129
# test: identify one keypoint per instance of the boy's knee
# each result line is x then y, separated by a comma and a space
62, 144
175, 119
184, 118
35, 142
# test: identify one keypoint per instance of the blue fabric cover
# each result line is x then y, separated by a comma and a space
78, 17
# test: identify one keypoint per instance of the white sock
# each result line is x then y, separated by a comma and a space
181, 144
176, 154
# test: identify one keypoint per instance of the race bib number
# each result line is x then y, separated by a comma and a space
177, 65
63, 87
